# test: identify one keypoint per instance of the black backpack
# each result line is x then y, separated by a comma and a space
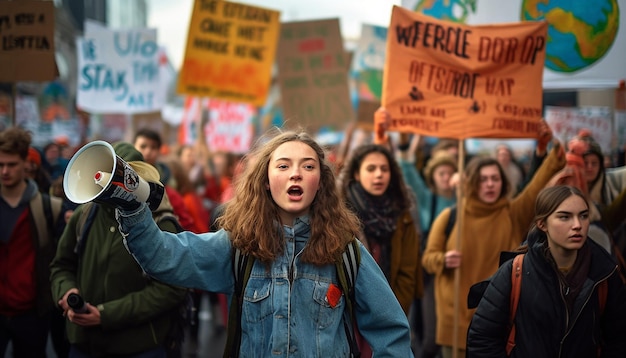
347, 270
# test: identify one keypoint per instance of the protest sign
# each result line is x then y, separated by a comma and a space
313, 75
119, 71
444, 79
191, 119
229, 127
6, 106
566, 122
585, 45
27, 111
110, 127
230, 52
369, 61
27, 32
365, 114
620, 128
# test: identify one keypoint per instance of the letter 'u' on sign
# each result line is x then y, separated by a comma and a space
230, 52
445, 79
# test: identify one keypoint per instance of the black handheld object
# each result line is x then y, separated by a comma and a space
76, 303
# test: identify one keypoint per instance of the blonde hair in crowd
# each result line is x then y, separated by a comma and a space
252, 218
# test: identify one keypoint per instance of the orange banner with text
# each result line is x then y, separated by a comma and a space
230, 52
445, 79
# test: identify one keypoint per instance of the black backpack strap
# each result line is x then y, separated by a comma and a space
351, 258
451, 221
433, 209
47, 210
346, 273
242, 267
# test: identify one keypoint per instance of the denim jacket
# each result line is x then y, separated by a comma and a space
285, 311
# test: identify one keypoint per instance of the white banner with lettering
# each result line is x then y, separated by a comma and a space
566, 122
118, 71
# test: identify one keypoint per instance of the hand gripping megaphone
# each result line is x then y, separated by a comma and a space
96, 173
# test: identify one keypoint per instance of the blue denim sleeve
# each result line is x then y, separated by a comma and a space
380, 318
201, 261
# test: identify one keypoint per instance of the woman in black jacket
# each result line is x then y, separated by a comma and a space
564, 309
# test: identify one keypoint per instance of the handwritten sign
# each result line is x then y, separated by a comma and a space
230, 51
313, 75
566, 122
444, 79
620, 128
191, 118
118, 71
27, 111
230, 126
27, 41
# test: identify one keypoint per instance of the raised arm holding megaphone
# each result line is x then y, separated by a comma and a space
97, 173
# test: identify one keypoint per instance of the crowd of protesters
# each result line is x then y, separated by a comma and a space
432, 232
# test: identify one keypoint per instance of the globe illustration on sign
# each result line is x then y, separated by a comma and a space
450, 10
580, 32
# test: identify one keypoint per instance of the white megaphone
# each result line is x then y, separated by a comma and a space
96, 173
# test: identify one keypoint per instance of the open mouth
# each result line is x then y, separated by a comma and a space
295, 191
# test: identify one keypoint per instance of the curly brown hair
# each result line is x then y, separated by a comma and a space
252, 216
15, 140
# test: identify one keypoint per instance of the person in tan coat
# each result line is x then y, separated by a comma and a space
490, 222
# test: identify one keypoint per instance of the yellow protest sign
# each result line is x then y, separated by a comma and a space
230, 51
445, 79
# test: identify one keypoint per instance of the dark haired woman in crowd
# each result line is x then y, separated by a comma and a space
374, 188
572, 302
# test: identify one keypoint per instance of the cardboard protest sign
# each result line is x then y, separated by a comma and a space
566, 122
444, 79
118, 71
27, 41
313, 75
365, 114
229, 127
230, 52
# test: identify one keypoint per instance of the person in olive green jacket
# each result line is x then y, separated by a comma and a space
128, 312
